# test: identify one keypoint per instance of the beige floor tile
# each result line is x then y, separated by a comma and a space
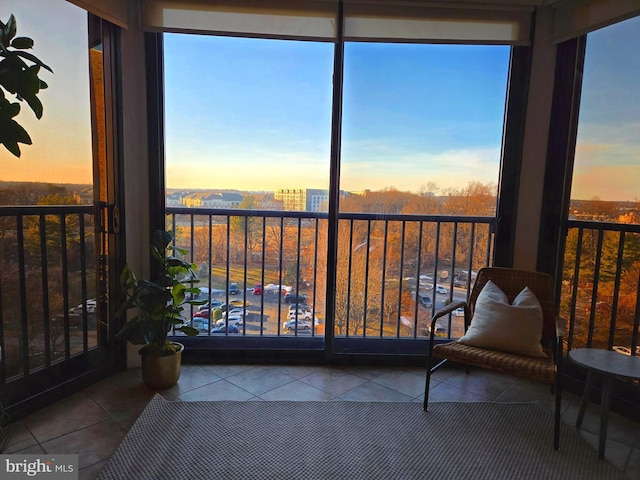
92, 444
65, 416
297, 391
217, 391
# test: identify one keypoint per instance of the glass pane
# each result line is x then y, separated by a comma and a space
248, 127
48, 256
421, 121
422, 134
601, 266
607, 166
246, 116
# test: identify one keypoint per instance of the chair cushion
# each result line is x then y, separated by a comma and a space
515, 328
541, 369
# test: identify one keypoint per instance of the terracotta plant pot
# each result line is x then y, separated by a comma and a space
162, 372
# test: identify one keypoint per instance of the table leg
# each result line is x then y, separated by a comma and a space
585, 397
604, 413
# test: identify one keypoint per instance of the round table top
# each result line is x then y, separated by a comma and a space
607, 362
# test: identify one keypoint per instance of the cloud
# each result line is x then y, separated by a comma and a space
609, 182
446, 169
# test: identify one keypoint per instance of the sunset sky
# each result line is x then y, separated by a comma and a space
256, 114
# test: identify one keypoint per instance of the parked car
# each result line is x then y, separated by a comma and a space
213, 305
298, 306
90, 306
225, 329
302, 314
233, 289
458, 312
237, 320
275, 289
425, 301
441, 290
200, 324
295, 298
237, 302
202, 313
291, 324
257, 290
234, 312
440, 331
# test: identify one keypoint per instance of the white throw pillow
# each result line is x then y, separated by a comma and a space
515, 328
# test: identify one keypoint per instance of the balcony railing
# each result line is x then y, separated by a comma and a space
601, 285
47, 287
392, 271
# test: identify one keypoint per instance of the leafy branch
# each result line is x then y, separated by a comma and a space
20, 79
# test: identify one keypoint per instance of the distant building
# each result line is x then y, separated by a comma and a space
303, 199
212, 200
267, 202
174, 199
629, 217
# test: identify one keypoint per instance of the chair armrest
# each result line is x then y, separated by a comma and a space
448, 309
441, 313
445, 311
561, 327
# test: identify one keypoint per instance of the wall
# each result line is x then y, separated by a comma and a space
536, 134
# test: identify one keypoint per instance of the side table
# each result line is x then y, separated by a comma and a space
608, 365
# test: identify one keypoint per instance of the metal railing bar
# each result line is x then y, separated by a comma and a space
65, 285
83, 282
616, 288
400, 283
574, 296
44, 273
384, 274
366, 279
263, 252
594, 293
348, 312
23, 295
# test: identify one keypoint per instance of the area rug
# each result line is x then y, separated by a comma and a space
351, 440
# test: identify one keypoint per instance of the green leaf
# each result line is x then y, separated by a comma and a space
12, 147
11, 131
11, 81
8, 110
192, 332
34, 59
22, 43
43, 84
10, 29
35, 104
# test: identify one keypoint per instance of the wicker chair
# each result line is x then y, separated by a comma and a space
544, 370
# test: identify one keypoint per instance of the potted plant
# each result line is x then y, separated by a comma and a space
159, 306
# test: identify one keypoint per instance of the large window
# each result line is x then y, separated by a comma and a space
422, 121
248, 121
602, 261
252, 124
48, 252
61, 153
607, 159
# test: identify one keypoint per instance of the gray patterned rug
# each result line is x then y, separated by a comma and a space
350, 440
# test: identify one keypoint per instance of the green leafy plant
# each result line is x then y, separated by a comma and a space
159, 304
19, 78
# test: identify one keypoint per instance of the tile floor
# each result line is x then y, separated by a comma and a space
93, 422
